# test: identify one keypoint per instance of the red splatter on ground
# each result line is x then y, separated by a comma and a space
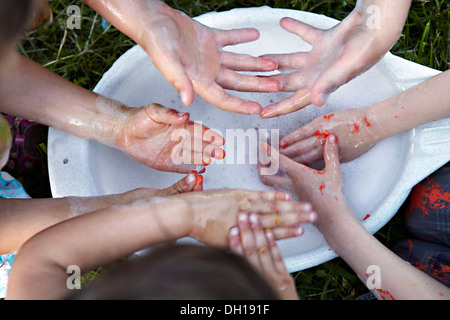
428, 196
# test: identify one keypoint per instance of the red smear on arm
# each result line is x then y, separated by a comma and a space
321, 188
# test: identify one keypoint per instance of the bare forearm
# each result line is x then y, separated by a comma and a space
426, 102
22, 218
129, 18
386, 274
384, 17
37, 94
116, 232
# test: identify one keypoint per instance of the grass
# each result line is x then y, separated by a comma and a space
82, 56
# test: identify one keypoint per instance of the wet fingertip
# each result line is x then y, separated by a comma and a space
284, 143
270, 236
243, 217
206, 160
299, 230
191, 178
313, 216
233, 232
332, 138
254, 219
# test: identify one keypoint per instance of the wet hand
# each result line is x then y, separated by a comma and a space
166, 140
190, 57
323, 189
355, 129
337, 56
214, 212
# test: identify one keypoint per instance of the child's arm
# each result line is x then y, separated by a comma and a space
35, 93
189, 54
359, 129
338, 54
20, 219
394, 278
91, 240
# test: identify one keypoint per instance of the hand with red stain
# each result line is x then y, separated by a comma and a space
155, 135
190, 55
355, 134
338, 54
345, 234
323, 189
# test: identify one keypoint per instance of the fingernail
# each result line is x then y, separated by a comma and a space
199, 181
243, 217
234, 231
312, 216
283, 144
206, 160
221, 154
308, 207
191, 178
202, 171
269, 235
332, 138
299, 231
254, 218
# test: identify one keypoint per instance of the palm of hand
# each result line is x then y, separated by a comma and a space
337, 56
151, 133
190, 57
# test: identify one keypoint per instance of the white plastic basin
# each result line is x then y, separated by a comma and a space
376, 183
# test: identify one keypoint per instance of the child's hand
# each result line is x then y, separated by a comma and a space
355, 129
338, 55
214, 212
165, 140
323, 189
190, 57
261, 250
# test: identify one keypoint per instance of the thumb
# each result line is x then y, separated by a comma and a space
331, 156
184, 185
